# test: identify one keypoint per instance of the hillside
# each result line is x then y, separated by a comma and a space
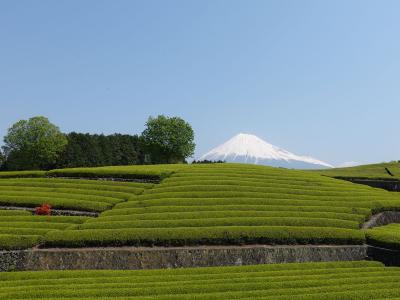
194, 204
373, 171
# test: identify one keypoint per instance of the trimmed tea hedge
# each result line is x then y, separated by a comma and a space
385, 236
17, 241
334, 280
22, 174
184, 236
21, 230
151, 172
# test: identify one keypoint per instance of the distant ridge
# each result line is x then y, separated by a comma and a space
248, 148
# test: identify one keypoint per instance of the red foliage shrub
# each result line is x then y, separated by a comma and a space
44, 210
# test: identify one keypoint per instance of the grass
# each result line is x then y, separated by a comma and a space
333, 280
385, 236
373, 171
232, 204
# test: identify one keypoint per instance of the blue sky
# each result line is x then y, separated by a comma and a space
315, 77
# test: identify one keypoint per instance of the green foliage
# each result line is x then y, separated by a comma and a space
198, 204
151, 172
22, 174
2, 160
86, 195
15, 242
215, 235
385, 236
92, 150
10, 212
21, 229
33, 144
332, 280
37, 144
170, 140
230, 204
375, 171
220, 220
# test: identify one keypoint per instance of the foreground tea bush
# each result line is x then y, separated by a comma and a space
334, 280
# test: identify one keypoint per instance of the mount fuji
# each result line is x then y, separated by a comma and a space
248, 148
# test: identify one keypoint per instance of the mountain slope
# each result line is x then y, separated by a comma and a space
248, 148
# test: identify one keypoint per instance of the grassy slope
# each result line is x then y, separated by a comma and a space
334, 280
233, 204
364, 171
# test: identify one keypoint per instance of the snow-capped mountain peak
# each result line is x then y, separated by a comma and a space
249, 148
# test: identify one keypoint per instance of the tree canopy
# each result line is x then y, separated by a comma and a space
93, 150
38, 144
169, 139
33, 144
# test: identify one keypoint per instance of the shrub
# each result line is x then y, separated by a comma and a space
44, 209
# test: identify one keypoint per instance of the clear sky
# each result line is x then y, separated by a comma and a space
320, 78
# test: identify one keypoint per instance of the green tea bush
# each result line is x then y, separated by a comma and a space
215, 235
334, 280
22, 174
14, 242
385, 236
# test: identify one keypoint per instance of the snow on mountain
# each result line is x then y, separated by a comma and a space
248, 148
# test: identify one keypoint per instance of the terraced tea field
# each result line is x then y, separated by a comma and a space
338, 280
373, 171
20, 229
87, 195
233, 204
196, 204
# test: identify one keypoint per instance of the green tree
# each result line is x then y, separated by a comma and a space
2, 160
33, 144
169, 140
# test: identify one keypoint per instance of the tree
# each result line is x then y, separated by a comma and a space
92, 150
2, 160
33, 144
169, 140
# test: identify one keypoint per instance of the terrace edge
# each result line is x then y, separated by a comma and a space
134, 258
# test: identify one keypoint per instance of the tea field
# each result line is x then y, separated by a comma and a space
333, 280
214, 204
373, 171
